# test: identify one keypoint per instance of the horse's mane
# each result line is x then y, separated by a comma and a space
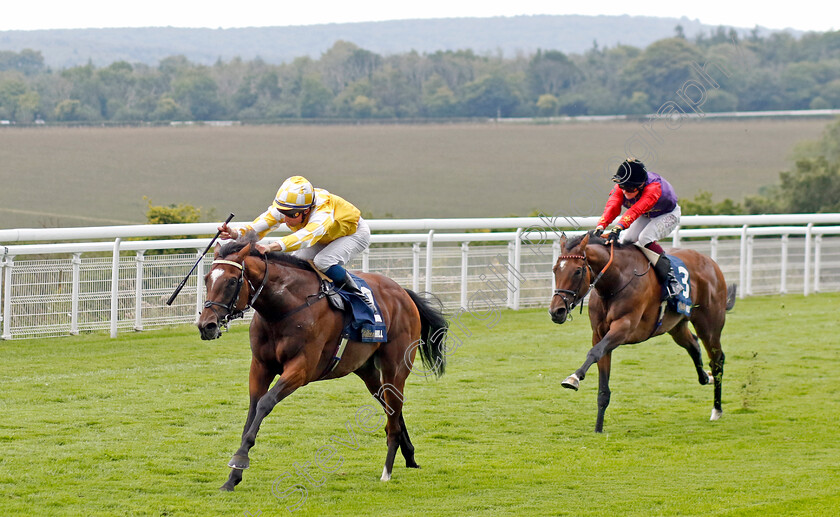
251, 237
594, 238
279, 256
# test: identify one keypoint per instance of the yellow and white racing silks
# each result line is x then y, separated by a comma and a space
330, 218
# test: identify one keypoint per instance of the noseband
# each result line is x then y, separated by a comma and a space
575, 294
231, 312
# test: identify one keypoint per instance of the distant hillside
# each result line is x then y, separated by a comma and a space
509, 35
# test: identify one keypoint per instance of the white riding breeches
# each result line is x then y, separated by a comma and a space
339, 251
645, 230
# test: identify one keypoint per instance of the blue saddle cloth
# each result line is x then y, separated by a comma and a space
364, 325
681, 302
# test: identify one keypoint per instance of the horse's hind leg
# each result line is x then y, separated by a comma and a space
406, 447
716, 360
682, 336
371, 376
710, 336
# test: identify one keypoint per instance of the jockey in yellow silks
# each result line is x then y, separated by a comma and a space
326, 229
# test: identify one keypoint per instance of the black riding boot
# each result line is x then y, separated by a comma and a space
351, 287
666, 276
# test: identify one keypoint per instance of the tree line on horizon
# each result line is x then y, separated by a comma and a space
710, 73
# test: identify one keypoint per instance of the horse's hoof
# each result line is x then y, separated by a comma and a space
711, 378
716, 414
239, 463
572, 382
412, 465
386, 476
226, 488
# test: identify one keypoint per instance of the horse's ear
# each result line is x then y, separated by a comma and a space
563, 240
584, 241
243, 253
216, 249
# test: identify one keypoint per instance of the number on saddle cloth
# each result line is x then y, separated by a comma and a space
682, 301
364, 324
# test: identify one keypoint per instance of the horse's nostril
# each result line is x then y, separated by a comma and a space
558, 315
209, 330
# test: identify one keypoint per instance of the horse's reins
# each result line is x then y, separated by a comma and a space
233, 313
576, 297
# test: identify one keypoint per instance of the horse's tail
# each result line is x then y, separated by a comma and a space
731, 290
432, 332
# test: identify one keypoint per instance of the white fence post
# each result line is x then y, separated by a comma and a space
199, 281
366, 260
75, 290
806, 274
430, 240
516, 274
675, 241
555, 255
511, 290
750, 249
115, 287
465, 271
742, 272
783, 280
817, 253
415, 266
713, 251
2, 292
139, 260
8, 265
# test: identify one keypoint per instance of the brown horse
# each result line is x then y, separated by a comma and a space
295, 335
624, 308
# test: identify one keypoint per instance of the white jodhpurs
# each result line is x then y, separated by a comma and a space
645, 230
339, 251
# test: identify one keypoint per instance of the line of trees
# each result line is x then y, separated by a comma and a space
348, 82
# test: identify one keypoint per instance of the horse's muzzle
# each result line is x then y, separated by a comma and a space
210, 330
558, 314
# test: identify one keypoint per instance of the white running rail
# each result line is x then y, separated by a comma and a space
62, 281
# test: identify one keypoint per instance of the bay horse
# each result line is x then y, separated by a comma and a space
624, 308
295, 334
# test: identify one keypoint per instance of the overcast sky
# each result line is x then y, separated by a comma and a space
56, 14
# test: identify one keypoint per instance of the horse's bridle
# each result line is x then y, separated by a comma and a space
231, 312
575, 294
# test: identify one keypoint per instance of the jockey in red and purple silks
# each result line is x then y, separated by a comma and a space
652, 214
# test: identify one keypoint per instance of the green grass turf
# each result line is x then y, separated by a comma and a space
145, 424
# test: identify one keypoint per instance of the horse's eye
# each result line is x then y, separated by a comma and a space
231, 282
577, 272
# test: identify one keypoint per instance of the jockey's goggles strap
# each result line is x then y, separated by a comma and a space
229, 263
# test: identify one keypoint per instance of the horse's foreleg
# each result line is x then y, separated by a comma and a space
612, 340
603, 390
293, 377
258, 383
234, 479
